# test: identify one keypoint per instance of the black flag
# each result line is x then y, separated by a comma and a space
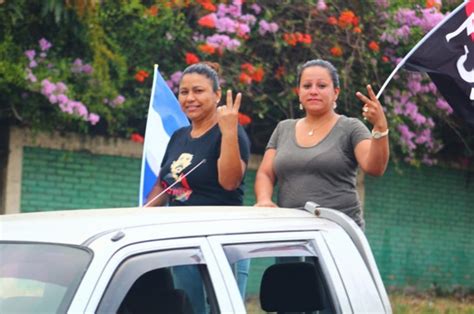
447, 55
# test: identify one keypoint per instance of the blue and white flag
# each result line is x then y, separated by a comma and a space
164, 117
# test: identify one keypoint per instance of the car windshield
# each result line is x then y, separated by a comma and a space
36, 277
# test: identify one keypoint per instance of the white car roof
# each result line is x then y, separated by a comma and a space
77, 226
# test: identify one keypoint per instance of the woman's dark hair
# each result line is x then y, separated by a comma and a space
208, 69
323, 64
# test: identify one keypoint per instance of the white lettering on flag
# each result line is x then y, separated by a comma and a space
466, 75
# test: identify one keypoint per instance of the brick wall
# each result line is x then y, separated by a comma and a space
54, 179
49, 171
420, 226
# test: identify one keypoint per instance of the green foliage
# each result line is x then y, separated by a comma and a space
122, 40
10, 64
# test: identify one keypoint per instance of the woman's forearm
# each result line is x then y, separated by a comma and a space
230, 166
263, 187
377, 158
155, 191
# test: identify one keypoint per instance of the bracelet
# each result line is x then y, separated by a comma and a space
377, 134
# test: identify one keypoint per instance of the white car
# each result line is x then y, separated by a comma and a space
134, 260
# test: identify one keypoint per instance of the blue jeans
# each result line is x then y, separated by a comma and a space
188, 278
241, 273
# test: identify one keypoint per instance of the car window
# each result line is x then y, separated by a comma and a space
172, 281
279, 277
38, 277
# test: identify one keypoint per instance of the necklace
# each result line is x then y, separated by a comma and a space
311, 132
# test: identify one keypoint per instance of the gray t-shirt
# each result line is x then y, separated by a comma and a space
324, 173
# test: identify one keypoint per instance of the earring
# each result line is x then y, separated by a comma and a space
301, 106
334, 106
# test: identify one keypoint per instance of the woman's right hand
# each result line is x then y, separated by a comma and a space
267, 203
373, 110
228, 115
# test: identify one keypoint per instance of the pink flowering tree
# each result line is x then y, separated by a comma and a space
49, 79
90, 68
56, 92
415, 106
69, 86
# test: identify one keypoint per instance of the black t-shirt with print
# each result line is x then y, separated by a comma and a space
201, 186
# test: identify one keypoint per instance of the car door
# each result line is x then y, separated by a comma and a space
359, 282
166, 276
288, 272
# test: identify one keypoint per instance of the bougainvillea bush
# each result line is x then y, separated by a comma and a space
87, 65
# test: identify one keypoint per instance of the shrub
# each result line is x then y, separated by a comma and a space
257, 43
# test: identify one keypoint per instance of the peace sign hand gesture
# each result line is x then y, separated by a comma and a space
373, 110
228, 115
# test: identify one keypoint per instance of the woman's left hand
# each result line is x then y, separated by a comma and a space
228, 115
373, 110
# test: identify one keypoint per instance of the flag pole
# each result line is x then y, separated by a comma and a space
142, 174
180, 178
403, 61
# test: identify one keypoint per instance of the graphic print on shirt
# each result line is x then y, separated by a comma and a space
181, 191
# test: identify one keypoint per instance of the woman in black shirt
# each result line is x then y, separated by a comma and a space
219, 149
214, 136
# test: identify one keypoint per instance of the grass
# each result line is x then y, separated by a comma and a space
411, 304
404, 304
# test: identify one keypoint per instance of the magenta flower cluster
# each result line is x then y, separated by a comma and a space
33, 61
425, 19
79, 67
416, 132
223, 41
173, 82
321, 5
117, 101
229, 21
256, 8
382, 4
265, 27
412, 139
44, 45
56, 93
30, 54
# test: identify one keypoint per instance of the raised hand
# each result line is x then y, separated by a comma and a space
372, 109
228, 115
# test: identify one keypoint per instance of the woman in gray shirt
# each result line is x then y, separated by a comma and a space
316, 158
